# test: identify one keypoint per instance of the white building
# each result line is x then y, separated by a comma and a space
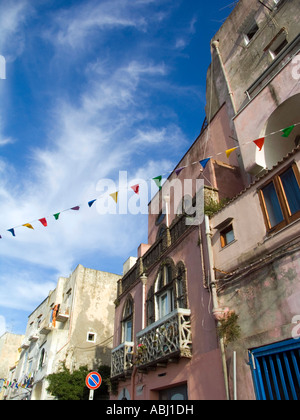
74, 324
9, 356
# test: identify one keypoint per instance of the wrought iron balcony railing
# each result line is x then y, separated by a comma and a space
122, 359
166, 339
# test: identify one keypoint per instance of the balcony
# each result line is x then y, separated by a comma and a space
63, 314
34, 336
154, 254
25, 345
168, 339
45, 327
122, 360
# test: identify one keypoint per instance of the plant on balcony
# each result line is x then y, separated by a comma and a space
212, 206
140, 354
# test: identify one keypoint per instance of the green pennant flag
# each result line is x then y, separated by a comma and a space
287, 131
56, 216
157, 181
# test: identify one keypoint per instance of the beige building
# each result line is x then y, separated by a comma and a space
9, 356
74, 324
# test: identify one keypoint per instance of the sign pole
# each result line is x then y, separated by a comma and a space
91, 397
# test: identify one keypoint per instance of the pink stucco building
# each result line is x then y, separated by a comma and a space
209, 311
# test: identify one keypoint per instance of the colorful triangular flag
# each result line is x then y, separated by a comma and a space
287, 131
75, 208
204, 162
12, 231
114, 196
177, 171
229, 151
43, 222
157, 181
28, 225
136, 189
56, 216
90, 203
260, 143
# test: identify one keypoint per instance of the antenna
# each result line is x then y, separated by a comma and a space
229, 5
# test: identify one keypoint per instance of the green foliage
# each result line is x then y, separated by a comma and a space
229, 329
212, 206
66, 386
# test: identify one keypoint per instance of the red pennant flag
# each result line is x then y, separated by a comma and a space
136, 189
260, 143
75, 208
43, 222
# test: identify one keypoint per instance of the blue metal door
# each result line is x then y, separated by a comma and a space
276, 371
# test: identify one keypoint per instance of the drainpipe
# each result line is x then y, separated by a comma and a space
234, 377
216, 44
167, 201
132, 385
144, 282
217, 311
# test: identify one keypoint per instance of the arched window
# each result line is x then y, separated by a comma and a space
127, 321
164, 291
181, 287
169, 291
42, 358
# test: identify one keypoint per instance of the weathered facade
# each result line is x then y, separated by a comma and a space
257, 277
210, 311
74, 325
9, 356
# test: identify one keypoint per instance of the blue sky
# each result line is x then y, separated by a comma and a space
91, 88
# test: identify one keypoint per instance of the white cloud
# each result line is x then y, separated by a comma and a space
6, 141
112, 125
12, 16
93, 139
72, 27
19, 291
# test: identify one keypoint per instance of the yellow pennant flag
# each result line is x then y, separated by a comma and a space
115, 196
229, 151
28, 225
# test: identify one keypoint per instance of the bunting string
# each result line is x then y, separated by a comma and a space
25, 383
158, 179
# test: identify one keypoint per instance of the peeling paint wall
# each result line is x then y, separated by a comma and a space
257, 278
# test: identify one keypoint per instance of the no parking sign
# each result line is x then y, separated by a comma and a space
93, 381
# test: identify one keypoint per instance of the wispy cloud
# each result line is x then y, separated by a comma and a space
13, 15
73, 27
105, 117
6, 141
21, 290
102, 134
186, 36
